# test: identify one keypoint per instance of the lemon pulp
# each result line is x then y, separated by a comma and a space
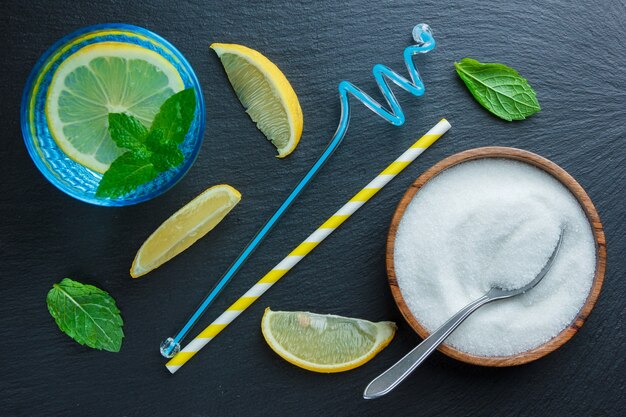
103, 78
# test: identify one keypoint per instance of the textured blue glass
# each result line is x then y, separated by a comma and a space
70, 176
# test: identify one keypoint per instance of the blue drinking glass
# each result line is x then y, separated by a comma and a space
69, 176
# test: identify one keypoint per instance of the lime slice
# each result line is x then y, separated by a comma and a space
185, 227
103, 78
324, 343
266, 94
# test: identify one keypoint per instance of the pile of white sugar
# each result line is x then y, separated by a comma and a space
494, 222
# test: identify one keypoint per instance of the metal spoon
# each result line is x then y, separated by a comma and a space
393, 376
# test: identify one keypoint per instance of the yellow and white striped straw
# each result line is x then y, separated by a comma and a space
307, 246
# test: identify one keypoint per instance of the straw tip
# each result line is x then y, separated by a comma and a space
172, 368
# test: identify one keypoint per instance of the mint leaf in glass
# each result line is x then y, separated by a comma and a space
127, 131
150, 151
166, 156
86, 314
499, 89
126, 173
175, 116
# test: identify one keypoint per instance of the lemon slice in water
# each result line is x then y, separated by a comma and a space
266, 94
324, 343
103, 78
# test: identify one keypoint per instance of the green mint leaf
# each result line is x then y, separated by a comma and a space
156, 139
165, 155
126, 173
499, 89
166, 158
175, 116
151, 152
86, 314
127, 131
166, 161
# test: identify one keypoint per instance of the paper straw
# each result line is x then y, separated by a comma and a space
307, 246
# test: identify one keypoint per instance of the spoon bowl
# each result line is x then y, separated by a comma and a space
497, 293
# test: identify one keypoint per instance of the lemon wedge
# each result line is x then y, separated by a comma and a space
184, 228
103, 78
265, 93
324, 343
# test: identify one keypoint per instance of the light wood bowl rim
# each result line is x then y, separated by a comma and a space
570, 183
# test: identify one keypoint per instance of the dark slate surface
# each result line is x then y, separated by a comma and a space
573, 53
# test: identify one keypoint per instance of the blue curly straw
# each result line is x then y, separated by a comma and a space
425, 43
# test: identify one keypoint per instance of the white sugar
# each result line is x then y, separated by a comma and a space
494, 222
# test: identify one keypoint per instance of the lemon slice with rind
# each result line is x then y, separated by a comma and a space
184, 228
266, 94
324, 343
103, 78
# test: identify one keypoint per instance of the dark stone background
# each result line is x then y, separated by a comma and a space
573, 53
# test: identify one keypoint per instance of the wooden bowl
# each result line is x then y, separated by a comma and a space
578, 192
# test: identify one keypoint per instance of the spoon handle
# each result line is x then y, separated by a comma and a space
389, 379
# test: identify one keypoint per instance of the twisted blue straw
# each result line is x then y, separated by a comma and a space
425, 43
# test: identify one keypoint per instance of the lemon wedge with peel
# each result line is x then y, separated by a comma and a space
103, 78
184, 228
265, 93
324, 343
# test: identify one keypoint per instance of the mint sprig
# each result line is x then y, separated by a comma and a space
499, 89
150, 151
